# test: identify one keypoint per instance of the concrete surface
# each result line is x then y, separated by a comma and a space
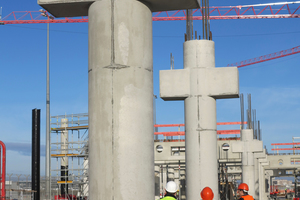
284, 161
199, 84
121, 157
73, 8
220, 83
248, 146
260, 160
169, 152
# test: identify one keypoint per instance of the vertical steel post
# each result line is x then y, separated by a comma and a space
47, 164
35, 154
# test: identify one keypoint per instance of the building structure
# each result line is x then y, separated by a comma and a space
120, 91
169, 153
69, 150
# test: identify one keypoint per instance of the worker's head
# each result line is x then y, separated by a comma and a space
171, 187
207, 194
242, 189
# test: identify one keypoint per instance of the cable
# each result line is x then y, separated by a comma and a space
43, 29
259, 34
163, 36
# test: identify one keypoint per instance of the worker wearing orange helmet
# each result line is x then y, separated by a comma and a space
242, 192
207, 194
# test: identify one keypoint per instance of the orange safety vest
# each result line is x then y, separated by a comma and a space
246, 197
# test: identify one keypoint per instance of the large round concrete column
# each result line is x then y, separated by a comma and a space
121, 156
200, 120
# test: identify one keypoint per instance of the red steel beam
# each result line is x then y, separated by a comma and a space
227, 132
286, 149
216, 13
177, 133
170, 133
295, 143
178, 125
267, 57
230, 123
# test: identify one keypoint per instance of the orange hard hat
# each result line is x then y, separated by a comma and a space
207, 194
243, 186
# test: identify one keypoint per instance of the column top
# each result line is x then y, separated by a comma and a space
73, 8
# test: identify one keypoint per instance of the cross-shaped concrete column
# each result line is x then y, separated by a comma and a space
121, 157
259, 157
199, 84
262, 181
248, 146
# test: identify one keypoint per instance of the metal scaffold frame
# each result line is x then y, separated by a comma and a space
69, 149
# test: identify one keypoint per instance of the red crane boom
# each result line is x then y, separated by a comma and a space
258, 11
267, 57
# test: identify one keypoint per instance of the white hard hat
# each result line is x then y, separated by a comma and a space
171, 187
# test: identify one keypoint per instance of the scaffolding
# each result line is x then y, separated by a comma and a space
69, 149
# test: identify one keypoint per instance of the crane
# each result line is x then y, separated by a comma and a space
267, 57
256, 11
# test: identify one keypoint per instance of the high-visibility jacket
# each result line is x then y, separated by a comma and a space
246, 197
168, 198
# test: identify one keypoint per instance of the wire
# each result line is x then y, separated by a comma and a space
163, 36
44, 29
259, 34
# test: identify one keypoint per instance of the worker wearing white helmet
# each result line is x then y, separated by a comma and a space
170, 191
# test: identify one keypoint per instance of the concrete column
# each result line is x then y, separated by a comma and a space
85, 186
199, 84
248, 146
121, 157
258, 157
262, 183
256, 178
248, 161
64, 161
171, 173
200, 120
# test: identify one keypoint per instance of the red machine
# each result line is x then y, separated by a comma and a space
65, 197
3, 164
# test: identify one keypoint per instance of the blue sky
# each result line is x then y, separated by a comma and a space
274, 85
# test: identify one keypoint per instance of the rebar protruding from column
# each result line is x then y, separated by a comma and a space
249, 124
254, 124
189, 24
259, 131
172, 61
205, 20
242, 110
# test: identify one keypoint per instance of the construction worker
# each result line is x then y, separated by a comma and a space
242, 192
207, 194
170, 191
